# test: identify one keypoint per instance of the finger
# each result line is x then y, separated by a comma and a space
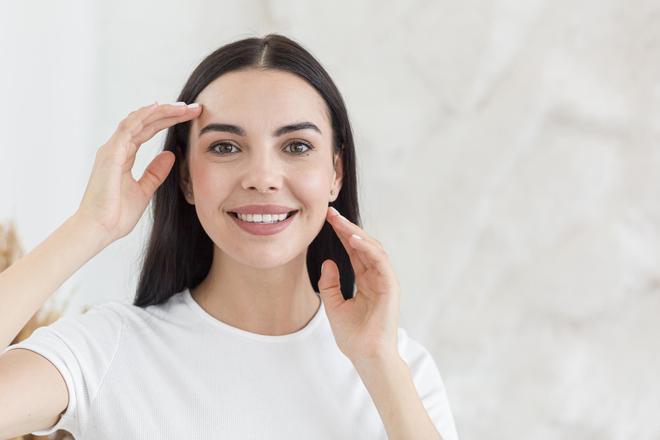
156, 126
156, 172
357, 263
169, 110
119, 141
375, 255
369, 250
345, 227
136, 121
166, 117
330, 285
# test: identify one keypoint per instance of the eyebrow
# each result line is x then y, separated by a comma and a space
235, 129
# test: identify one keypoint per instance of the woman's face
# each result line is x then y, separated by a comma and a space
296, 169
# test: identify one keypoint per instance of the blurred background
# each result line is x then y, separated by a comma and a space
508, 160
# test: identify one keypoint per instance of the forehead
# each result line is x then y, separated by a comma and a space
261, 98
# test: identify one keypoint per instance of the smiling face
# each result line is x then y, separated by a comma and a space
258, 162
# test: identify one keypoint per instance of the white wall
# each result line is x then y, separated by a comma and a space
508, 160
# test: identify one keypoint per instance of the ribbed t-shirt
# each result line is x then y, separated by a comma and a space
173, 371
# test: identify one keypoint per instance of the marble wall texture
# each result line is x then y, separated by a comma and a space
508, 156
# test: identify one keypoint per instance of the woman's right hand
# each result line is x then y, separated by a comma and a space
114, 200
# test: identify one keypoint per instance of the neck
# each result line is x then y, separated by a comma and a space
268, 301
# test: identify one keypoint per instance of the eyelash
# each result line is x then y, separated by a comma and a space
212, 147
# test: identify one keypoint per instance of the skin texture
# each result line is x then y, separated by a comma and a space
260, 283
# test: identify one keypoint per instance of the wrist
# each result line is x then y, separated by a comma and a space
88, 231
380, 361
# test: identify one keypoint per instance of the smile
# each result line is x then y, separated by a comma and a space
270, 227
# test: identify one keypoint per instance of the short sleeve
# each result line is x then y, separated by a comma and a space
82, 348
429, 384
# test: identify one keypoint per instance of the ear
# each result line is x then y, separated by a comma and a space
338, 179
185, 182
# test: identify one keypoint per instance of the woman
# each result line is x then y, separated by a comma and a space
259, 313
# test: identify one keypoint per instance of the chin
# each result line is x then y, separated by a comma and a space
251, 255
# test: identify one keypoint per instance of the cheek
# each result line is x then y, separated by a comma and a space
308, 185
312, 187
210, 186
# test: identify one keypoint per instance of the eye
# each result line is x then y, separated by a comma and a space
220, 144
222, 152
309, 147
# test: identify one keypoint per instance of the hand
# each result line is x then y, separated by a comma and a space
113, 199
365, 326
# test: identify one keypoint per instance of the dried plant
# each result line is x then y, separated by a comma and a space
10, 251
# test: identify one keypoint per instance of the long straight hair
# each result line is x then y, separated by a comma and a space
179, 252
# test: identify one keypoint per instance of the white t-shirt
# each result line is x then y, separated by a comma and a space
173, 371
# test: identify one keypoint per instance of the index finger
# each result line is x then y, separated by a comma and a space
171, 110
357, 262
160, 121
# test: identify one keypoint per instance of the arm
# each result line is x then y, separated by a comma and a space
393, 391
112, 204
28, 283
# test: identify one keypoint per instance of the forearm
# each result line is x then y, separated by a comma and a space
30, 281
389, 382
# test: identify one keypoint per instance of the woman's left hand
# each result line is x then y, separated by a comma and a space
365, 326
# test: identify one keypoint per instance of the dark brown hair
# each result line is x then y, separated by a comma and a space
179, 253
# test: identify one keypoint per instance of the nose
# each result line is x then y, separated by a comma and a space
263, 171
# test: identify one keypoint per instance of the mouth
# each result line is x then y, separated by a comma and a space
288, 215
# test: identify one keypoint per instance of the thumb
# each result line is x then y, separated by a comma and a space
156, 172
329, 286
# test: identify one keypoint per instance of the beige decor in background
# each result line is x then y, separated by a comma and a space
10, 251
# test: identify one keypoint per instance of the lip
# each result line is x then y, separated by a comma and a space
266, 228
262, 209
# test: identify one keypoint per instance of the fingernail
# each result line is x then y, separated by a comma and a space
334, 211
180, 103
193, 105
356, 236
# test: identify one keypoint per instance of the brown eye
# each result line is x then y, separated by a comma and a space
221, 151
298, 143
224, 148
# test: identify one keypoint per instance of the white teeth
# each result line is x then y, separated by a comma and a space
262, 218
